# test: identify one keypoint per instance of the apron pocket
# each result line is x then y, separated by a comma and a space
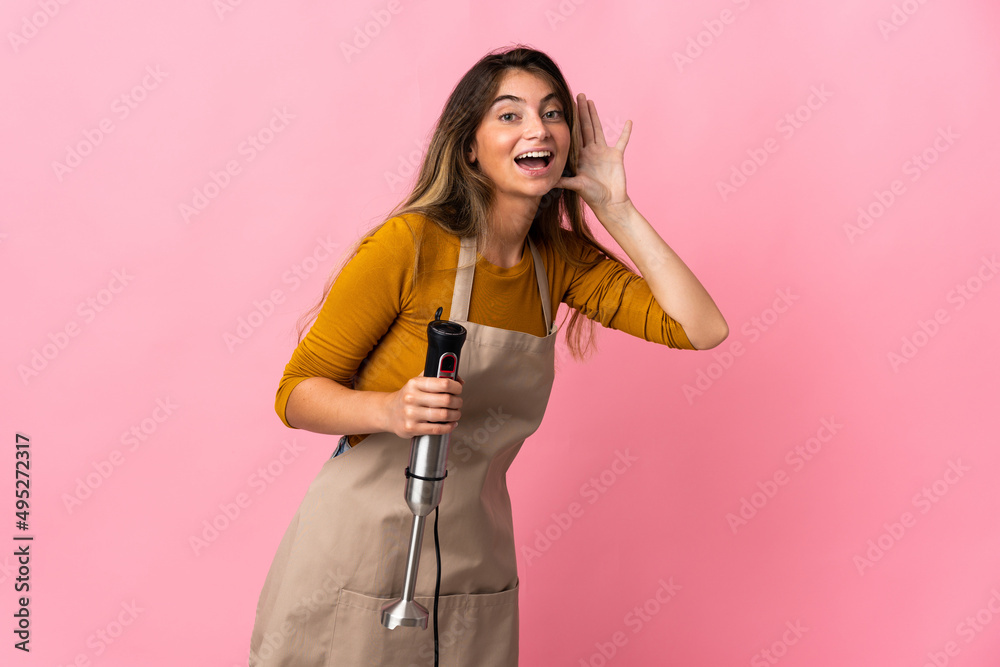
474, 630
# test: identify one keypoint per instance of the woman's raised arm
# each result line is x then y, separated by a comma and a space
600, 182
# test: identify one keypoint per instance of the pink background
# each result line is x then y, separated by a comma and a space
656, 566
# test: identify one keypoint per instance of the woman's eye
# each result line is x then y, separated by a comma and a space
505, 116
555, 113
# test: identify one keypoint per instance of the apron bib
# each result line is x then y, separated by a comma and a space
343, 556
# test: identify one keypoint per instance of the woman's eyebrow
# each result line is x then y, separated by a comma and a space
515, 98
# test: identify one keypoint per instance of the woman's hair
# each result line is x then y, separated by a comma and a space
456, 195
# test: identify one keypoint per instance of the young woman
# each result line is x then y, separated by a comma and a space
494, 234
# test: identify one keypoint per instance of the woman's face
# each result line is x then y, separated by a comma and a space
526, 116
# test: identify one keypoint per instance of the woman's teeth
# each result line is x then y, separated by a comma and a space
534, 160
534, 154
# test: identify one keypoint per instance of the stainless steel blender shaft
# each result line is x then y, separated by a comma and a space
428, 459
405, 611
424, 484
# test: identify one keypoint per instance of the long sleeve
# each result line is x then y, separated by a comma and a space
371, 333
618, 298
365, 300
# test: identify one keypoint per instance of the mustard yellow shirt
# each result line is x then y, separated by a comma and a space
371, 333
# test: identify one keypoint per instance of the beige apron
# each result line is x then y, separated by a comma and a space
343, 555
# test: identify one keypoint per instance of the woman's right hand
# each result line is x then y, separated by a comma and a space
424, 406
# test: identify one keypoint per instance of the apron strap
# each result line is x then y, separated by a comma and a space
463, 280
466, 270
543, 286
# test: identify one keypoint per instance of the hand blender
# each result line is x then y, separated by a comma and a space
426, 472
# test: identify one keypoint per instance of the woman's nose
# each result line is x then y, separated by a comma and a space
534, 126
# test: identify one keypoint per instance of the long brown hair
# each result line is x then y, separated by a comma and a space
458, 197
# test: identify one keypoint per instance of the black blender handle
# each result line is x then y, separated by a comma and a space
444, 347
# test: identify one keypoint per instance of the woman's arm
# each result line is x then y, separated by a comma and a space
676, 289
600, 182
323, 405
316, 391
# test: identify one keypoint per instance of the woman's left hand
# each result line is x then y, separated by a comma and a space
600, 172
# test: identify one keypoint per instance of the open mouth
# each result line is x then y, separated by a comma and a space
534, 160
